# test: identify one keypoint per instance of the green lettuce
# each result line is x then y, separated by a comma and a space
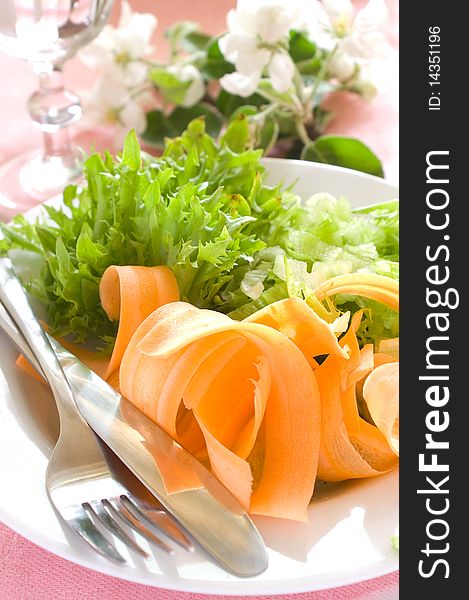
203, 208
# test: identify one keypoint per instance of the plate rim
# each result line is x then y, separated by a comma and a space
195, 586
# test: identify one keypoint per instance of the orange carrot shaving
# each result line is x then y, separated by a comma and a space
370, 285
250, 393
350, 446
130, 294
293, 317
268, 403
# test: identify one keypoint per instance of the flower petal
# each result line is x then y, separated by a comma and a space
273, 23
133, 74
342, 66
95, 56
126, 14
241, 85
372, 16
251, 60
133, 116
338, 8
281, 71
232, 44
365, 45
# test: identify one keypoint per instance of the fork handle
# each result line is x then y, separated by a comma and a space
16, 303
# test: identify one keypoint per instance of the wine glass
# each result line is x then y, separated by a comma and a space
46, 33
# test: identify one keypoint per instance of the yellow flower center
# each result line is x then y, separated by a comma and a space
122, 58
112, 116
342, 26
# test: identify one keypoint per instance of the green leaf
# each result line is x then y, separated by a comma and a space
267, 90
63, 259
69, 194
211, 62
47, 238
228, 104
161, 126
173, 89
163, 79
310, 66
181, 117
213, 49
215, 69
202, 208
301, 48
179, 30
90, 252
195, 41
214, 252
268, 134
158, 128
247, 110
186, 34
131, 156
308, 61
343, 152
322, 118
236, 136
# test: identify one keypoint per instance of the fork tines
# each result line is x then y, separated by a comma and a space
113, 515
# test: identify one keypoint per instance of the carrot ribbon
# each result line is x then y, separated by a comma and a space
268, 403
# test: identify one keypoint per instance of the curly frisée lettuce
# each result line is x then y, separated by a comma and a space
203, 208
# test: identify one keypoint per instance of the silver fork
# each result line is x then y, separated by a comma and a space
84, 480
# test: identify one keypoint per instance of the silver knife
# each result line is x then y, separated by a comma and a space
208, 511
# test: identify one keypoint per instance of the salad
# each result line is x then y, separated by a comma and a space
259, 331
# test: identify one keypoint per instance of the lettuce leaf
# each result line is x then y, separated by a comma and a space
204, 209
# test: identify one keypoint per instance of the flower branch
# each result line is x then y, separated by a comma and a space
274, 64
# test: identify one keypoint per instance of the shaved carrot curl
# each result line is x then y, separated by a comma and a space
240, 391
269, 403
350, 446
130, 294
370, 285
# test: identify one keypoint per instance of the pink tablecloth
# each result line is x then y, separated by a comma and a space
28, 572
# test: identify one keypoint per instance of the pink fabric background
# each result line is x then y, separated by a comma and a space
31, 573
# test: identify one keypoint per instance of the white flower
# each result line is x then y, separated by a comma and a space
132, 116
342, 66
118, 50
196, 90
111, 103
240, 85
270, 20
355, 34
281, 71
257, 39
361, 82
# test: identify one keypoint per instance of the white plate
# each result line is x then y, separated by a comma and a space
348, 538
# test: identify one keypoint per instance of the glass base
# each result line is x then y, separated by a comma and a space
29, 179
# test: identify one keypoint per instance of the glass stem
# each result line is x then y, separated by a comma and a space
53, 109
57, 144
